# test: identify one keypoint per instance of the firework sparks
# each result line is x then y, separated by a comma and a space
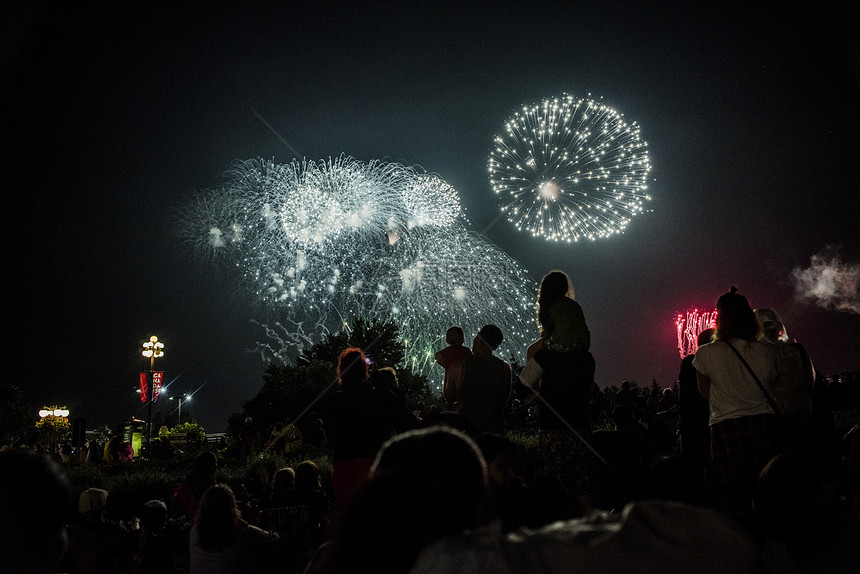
689, 325
321, 243
569, 169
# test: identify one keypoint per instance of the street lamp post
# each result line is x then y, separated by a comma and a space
181, 399
152, 350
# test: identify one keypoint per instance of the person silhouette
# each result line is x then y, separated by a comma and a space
484, 390
35, 504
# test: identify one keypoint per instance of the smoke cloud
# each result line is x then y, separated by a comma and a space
829, 282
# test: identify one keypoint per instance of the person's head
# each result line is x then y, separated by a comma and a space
490, 336
308, 476
500, 454
352, 366
92, 503
735, 317
153, 515
206, 463
386, 377
705, 337
433, 480
284, 479
455, 336
554, 285
797, 496
772, 327
445, 470
36, 502
217, 518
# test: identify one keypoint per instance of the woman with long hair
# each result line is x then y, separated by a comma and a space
559, 317
736, 373
564, 388
221, 541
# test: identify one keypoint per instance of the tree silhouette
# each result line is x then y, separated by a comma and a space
298, 391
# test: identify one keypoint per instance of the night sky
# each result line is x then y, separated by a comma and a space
113, 117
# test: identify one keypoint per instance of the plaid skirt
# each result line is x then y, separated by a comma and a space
740, 448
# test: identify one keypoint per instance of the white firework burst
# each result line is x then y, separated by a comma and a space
569, 169
319, 244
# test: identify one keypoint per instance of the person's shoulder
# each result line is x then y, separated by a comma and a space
472, 552
703, 355
458, 352
502, 364
709, 349
793, 348
766, 347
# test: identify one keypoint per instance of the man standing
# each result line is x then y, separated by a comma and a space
485, 387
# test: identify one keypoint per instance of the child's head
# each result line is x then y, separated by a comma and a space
454, 336
308, 476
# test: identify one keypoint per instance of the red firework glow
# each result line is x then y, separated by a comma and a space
689, 325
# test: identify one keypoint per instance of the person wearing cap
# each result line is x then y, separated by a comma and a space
485, 387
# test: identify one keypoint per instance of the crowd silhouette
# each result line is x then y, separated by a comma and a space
737, 468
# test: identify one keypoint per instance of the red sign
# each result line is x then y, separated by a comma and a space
143, 387
157, 377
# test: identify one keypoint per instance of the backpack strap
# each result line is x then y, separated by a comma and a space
767, 396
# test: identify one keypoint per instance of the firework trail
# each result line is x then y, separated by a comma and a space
569, 169
689, 325
319, 244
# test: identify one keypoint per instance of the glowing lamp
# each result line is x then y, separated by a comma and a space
152, 349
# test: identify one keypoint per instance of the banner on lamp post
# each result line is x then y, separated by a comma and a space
157, 377
143, 387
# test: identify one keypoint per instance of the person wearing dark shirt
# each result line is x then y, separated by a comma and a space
485, 387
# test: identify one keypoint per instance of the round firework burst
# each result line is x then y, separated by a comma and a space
319, 244
569, 169
430, 200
